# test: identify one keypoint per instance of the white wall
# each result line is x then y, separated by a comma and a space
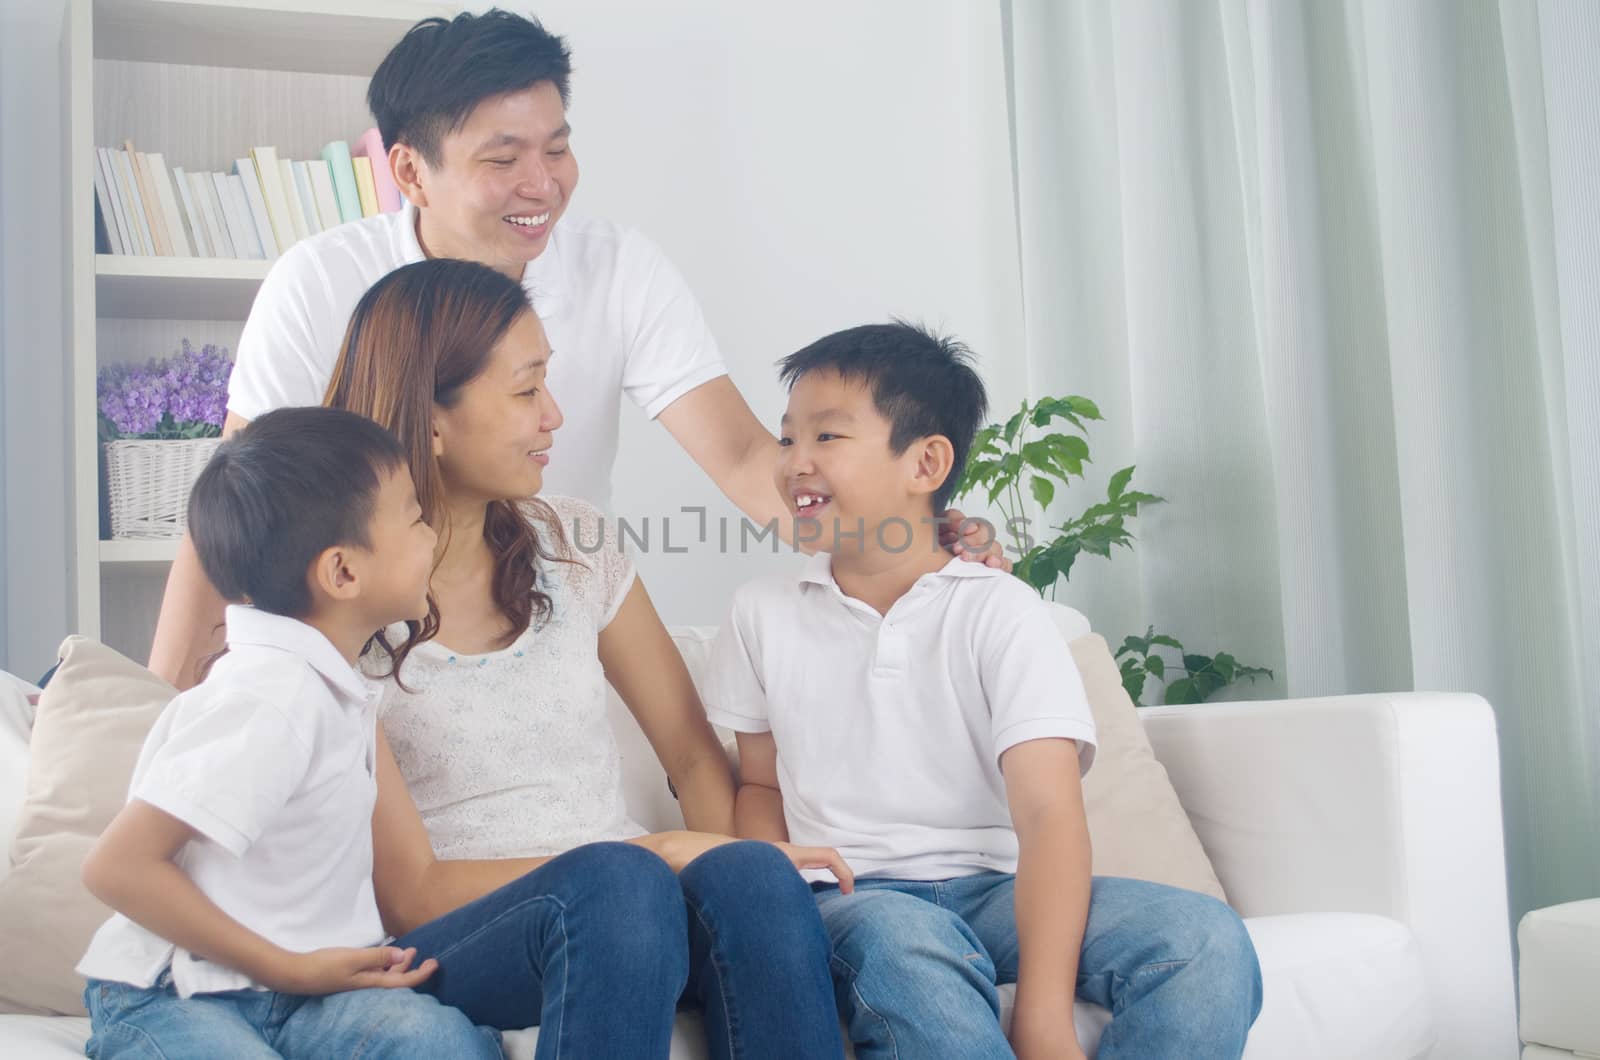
33, 464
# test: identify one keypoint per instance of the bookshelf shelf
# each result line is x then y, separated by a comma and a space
149, 288
302, 36
125, 552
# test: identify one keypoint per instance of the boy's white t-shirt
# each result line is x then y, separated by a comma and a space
889, 729
620, 318
271, 759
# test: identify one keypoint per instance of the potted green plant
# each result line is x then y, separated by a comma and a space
1045, 445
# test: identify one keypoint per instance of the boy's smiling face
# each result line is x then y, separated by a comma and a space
836, 467
400, 556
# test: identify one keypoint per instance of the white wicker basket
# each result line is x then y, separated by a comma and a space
147, 484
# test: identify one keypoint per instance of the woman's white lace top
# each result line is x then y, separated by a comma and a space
510, 753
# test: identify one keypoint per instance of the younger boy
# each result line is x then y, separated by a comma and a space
923, 717
241, 868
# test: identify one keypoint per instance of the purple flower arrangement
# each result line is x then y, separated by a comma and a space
182, 396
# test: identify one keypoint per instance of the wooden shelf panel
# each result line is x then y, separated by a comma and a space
308, 36
127, 551
150, 288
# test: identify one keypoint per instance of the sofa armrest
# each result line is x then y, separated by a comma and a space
1385, 804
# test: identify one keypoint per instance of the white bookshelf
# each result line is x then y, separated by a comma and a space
147, 553
201, 81
131, 287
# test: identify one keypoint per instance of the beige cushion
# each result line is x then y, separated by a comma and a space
91, 722
1136, 823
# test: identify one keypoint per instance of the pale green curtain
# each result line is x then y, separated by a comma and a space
1332, 270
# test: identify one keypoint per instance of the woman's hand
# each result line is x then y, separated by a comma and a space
336, 969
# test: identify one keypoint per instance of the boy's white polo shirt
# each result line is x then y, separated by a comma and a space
890, 728
620, 318
271, 759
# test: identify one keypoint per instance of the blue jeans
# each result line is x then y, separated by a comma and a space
916, 964
598, 946
154, 1023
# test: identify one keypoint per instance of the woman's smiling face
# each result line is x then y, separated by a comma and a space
493, 442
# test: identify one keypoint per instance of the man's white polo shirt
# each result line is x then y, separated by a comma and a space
271, 760
620, 318
890, 728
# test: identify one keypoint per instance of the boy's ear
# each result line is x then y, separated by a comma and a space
935, 457
333, 574
408, 169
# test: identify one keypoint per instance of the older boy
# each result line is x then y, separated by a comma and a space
922, 716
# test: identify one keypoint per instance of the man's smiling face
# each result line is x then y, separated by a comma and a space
501, 181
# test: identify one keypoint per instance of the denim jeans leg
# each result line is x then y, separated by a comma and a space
591, 946
912, 980
382, 1024
1175, 968
139, 1023
758, 956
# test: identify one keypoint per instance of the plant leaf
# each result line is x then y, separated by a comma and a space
1165, 641
1044, 491
1039, 456
1084, 407
1010, 432
1182, 690
1133, 683
1119, 482
1042, 571
1156, 665
1208, 683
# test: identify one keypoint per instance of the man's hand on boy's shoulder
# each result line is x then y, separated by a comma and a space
973, 539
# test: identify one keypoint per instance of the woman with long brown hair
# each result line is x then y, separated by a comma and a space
501, 843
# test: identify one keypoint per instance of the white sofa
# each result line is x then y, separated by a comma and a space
1359, 836
1560, 978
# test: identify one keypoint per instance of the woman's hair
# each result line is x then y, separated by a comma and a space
417, 338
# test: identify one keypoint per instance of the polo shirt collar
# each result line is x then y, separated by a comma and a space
544, 278
818, 570
250, 627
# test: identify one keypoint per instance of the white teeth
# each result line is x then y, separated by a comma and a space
806, 500
530, 222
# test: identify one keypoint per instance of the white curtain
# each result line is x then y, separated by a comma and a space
1331, 270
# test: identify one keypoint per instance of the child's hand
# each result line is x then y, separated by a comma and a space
821, 858
972, 539
332, 970
1044, 1036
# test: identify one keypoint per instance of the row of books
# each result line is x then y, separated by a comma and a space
260, 209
